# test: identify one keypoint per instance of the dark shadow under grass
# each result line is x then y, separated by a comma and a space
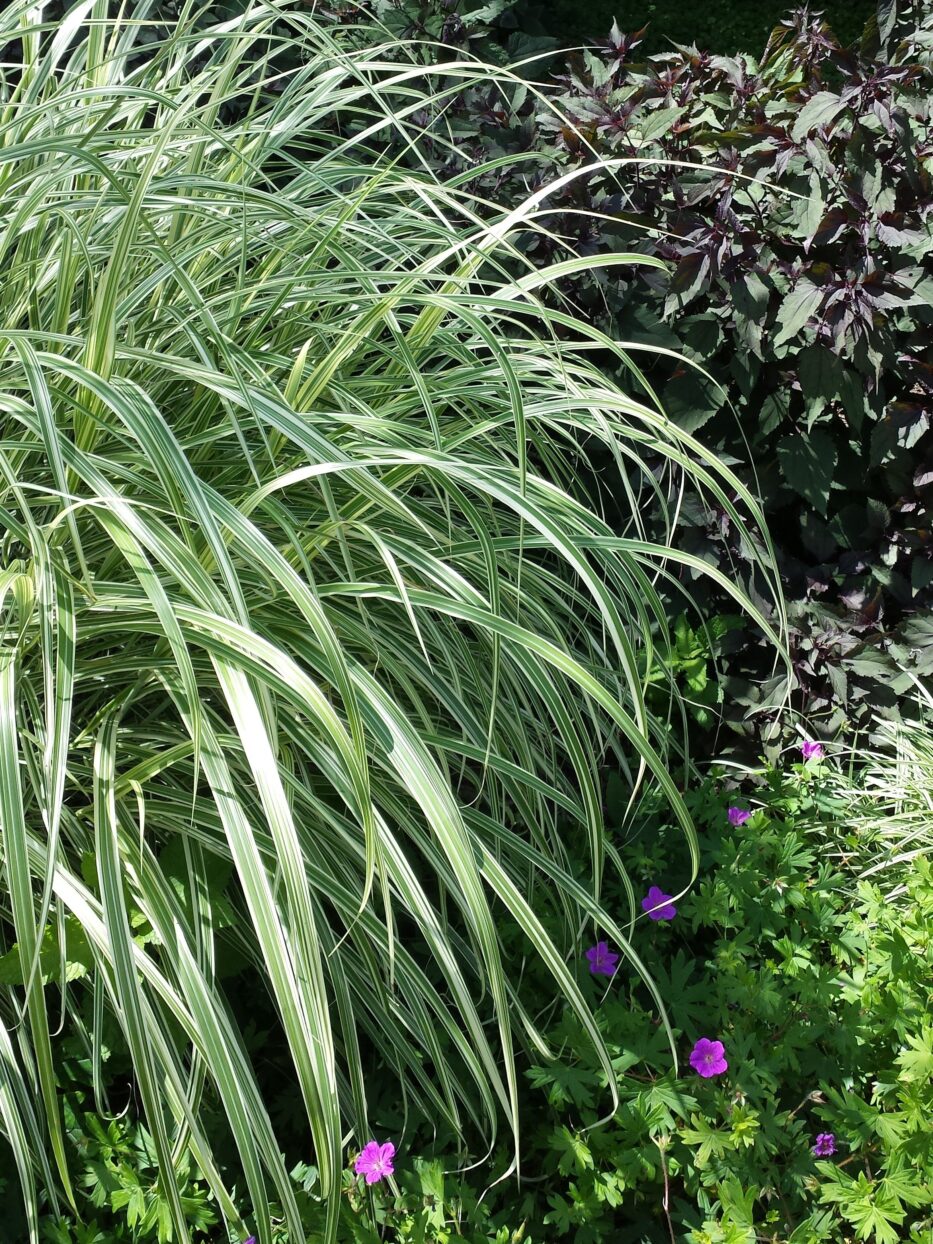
721, 26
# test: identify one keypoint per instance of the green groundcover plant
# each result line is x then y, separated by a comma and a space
313, 645
801, 994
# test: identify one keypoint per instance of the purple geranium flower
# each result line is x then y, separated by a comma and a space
375, 1162
658, 905
825, 1145
738, 816
602, 960
708, 1058
811, 751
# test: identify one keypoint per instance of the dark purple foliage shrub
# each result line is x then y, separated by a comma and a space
792, 197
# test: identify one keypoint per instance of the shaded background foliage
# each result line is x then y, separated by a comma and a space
720, 25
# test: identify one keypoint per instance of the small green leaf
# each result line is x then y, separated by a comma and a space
659, 122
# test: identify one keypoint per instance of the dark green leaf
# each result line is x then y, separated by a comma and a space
799, 305
691, 401
821, 109
820, 372
808, 461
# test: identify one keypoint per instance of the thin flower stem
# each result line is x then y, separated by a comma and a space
665, 1200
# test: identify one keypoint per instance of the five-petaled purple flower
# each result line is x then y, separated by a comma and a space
603, 961
825, 1145
375, 1161
738, 816
251, 1240
658, 905
811, 750
708, 1058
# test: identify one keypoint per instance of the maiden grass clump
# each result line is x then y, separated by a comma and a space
307, 615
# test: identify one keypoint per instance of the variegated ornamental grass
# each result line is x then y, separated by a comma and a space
297, 575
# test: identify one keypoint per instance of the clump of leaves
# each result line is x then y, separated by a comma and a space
812, 312
692, 662
120, 1189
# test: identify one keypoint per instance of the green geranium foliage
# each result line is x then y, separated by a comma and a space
818, 986
121, 1194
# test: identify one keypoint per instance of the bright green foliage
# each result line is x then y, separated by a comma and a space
692, 664
120, 1184
313, 643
